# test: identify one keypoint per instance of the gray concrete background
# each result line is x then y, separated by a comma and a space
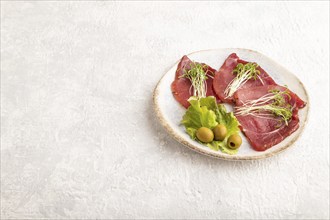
78, 135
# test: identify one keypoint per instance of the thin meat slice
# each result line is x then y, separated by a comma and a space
181, 87
261, 141
265, 132
253, 93
225, 75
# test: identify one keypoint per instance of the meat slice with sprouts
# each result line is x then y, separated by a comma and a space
182, 87
236, 74
267, 114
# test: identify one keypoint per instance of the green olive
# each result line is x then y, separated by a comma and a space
204, 134
220, 132
234, 141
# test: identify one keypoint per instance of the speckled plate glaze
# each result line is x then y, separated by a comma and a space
170, 112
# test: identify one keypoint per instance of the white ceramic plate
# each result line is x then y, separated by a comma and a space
170, 112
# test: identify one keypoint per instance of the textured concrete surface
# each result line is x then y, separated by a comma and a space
78, 135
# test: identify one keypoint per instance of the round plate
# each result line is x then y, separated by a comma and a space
170, 112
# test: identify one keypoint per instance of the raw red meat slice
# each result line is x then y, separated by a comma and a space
243, 95
261, 132
181, 87
224, 76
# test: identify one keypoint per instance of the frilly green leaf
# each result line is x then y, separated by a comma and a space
205, 112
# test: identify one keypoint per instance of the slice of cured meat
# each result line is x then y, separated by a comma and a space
225, 75
181, 87
265, 132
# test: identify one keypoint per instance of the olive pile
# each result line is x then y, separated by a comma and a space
219, 133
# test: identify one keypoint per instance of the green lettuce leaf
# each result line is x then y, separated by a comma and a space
198, 116
227, 119
205, 112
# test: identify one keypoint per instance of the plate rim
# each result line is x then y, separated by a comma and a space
181, 140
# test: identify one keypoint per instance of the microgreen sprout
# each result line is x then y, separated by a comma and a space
243, 72
197, 76
269, 105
